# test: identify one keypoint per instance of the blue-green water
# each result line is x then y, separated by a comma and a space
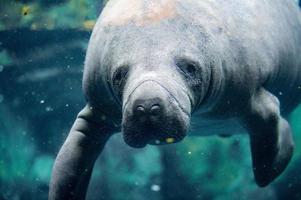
42, 49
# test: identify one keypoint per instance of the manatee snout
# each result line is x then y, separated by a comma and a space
153, 115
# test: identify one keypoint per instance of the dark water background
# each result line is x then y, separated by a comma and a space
42, 49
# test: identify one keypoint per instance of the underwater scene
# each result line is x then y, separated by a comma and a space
43, 45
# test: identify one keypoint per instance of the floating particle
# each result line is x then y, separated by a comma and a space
157, 141
155, 188
48, 109
67, 105
280, 93
89, 24
1, 98
34, 26
170, 140
1, 68
42, 101
25, 10
189, 152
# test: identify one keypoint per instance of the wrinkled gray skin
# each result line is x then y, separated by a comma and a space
196, 66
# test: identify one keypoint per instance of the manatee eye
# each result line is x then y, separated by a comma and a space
119, 79
190, 68
187, 67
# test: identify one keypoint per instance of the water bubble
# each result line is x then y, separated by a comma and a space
48, 109
42, 101
155, 188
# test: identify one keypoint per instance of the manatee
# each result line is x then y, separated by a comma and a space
158, 70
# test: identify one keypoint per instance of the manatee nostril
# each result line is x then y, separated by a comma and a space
140, 110
152, 107
155, 109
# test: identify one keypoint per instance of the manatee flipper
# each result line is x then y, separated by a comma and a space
74, 163
270, 137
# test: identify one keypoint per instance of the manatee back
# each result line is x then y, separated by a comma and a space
277, 29
263, 47
285, 80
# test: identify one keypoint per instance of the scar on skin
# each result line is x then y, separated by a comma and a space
140, 12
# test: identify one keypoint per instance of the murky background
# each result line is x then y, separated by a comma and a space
42, 49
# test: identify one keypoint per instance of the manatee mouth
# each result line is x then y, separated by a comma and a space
167, 131
152, 115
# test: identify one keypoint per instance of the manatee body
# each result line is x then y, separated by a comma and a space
161, 69
242, 45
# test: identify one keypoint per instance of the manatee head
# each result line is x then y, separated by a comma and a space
156, 109
158, 94
156, 71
